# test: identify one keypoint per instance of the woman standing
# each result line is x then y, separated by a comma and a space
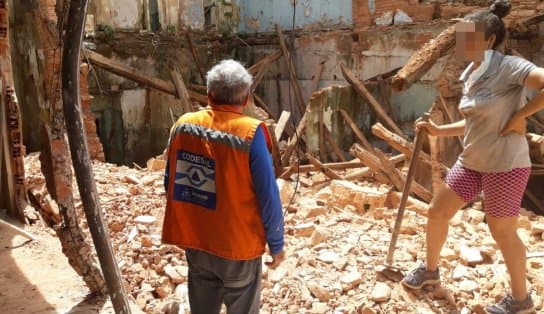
495, 158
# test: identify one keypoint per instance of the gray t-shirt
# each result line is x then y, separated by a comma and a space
488, 104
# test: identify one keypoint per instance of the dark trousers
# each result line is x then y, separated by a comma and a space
214, 280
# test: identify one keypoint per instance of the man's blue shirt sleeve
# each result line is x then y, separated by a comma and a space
266, 188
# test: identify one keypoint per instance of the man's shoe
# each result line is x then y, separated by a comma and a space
420, 277
509, 305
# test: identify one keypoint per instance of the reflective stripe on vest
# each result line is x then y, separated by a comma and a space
214, 136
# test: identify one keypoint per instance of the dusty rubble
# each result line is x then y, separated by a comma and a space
337, 234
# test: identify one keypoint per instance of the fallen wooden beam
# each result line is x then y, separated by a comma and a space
138, 76
282, 122
276, 158
182, 92
361, 138
360, 88
423, 60
380, 164
328, 136
195, 55
449, 117
366, 171
291, 145
326, 170
287, 171
259, 69
401, 145
290, 67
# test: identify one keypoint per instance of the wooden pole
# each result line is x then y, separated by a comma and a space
361, 138
366, 171
282, 123
290, 67
377, 107
326, 170
259, 69
182, 92
449, 117
73, 37
294, 140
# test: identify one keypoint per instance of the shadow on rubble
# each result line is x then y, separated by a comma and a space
93, 303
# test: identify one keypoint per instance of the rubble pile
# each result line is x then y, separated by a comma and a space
337, 235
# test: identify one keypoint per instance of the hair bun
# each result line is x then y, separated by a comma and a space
500, 8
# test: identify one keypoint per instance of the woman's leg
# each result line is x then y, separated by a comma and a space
443, 207
504, 231
503, 193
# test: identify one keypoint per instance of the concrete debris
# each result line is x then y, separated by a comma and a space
385, 19
336, 236
401, 18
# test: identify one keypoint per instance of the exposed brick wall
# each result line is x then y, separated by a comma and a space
93, 142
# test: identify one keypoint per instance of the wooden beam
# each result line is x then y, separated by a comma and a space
328, 136
182, 92
449, 117
361, 138
290, 67
333, 166
291, 145
282, 122
401, 145
276, 158
138, 76
422, 60
326, 170
7, 159
366, 171
259, 69
360, 88
195, 56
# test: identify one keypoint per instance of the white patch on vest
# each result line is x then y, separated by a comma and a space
195, 179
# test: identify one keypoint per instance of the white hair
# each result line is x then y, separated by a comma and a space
229, 83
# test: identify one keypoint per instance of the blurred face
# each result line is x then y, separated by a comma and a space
470, 42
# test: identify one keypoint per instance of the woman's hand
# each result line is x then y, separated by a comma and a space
428, 126
516, 124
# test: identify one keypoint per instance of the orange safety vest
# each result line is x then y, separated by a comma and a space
211, 203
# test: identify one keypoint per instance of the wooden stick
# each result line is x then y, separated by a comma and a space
328, 136
401, 145
366, 171
254, 69
333, 166
282, 122
360, 136
317, 76
182, 92
294, 140
17, 230
449, 117
195, 55
263, 105
326, 170
378, 108
292, 75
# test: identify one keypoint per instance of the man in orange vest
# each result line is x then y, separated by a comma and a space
223, 203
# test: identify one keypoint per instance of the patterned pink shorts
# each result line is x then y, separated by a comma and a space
503, 191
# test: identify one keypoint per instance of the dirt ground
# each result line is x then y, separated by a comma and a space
35, 277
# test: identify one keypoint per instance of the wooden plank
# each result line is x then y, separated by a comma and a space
290, 67
361, 138
326, 170
377, 107
182, 92
294, 140
282, 122
366, 171
138, 76
328, 136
